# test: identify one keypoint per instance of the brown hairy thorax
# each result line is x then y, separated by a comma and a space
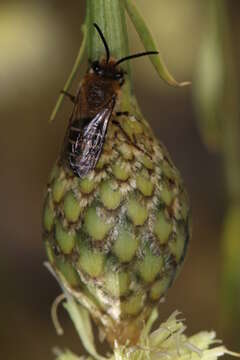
102, 82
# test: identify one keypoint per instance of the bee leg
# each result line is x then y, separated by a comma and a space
70, 96
120, 113
130, 141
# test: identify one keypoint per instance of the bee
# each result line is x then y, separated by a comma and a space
93, 108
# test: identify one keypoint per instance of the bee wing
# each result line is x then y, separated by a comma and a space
91, 141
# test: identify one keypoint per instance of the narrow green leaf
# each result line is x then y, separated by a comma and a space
149, 44
73, 72
148, 326
67, 355
210, 77
81, 320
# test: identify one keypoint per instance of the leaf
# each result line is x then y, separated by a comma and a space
149, 44
81, 320
66, 355
73, 72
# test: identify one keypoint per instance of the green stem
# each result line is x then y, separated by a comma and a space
109, 15
230, 108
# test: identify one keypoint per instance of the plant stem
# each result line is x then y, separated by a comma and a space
231, 157
109, 15
230, 123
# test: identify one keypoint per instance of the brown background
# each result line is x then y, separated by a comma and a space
38, 44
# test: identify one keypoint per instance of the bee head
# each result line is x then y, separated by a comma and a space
109, 68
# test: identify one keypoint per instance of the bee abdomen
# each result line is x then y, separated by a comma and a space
74, 142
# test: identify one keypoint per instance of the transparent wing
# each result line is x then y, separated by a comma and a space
89, 143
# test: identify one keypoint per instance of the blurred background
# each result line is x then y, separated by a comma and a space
39, 41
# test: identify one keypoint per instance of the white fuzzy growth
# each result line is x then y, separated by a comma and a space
168, 342
125, 188
133, 183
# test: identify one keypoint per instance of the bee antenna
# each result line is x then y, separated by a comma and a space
135, 56
104, 41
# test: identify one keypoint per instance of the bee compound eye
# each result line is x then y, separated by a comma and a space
96, 67
118, 75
